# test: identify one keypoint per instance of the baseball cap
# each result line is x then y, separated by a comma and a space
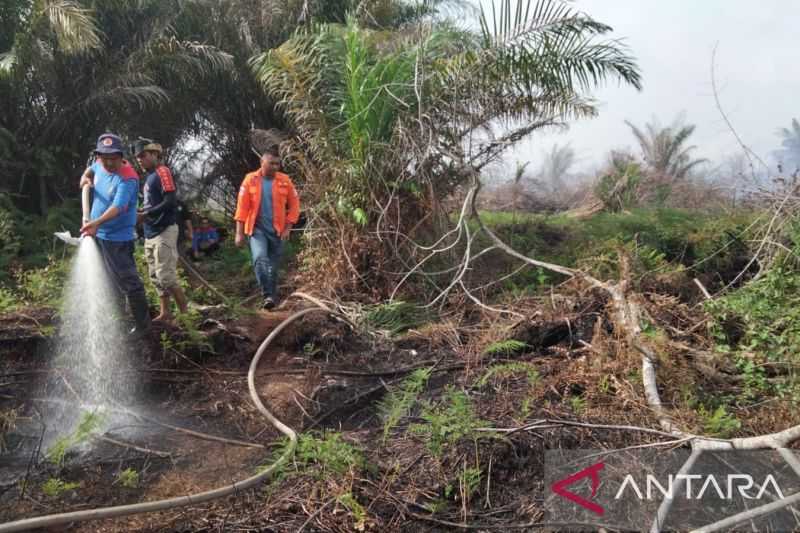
143, 145
108, 143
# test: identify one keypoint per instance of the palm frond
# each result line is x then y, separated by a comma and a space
262, 140
7, 61
670, 149
791, 137
186, 59
644, 139
664, 149
538, 59
549, 41
73, 26
687, 166
295, 75
126, 91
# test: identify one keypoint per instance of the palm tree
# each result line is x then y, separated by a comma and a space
556, 166
664, 149
387, 119
62, 69
368, 105
790, 153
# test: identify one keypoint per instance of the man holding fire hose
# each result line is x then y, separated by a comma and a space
112, 223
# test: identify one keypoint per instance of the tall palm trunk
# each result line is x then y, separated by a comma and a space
43, 204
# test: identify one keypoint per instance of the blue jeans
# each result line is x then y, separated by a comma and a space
266, 248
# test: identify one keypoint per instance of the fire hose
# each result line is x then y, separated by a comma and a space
190, 499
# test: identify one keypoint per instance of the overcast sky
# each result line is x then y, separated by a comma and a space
758, 75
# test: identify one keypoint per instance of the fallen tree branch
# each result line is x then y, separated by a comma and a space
200, 278
628, 321
132, 446
558, 422
731, 521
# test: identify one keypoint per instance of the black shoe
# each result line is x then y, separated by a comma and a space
141, 314
269, 303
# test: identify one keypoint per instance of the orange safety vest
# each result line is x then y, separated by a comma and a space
284, 196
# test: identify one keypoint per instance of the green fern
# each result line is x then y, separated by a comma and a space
399, 401
54, 487
506, 347
449, 422
89, 424
358, 511
128, 478
319, 455
395, 317
508, 369
469, 480
719, 422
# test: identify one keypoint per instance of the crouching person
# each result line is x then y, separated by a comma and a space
113, 223
205, 240
159, 216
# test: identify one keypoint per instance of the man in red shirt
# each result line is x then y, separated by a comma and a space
268, 206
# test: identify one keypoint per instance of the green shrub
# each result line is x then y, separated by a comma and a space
469, 480
356, 509
719, 423
657, 238
44, 286
448, 422
320, 455
762, 316
506, 370
8, 300
578, 404
395, 317
10, 239
760, 323
506, 347
54, 487
128, 478
619, 189
329, 453
89, 424
399, 401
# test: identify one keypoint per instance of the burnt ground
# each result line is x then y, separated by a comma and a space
322, 378
319, 375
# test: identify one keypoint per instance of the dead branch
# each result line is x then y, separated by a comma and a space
193, 271
732, 521
132, 446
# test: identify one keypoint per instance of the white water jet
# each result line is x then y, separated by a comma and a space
92, 345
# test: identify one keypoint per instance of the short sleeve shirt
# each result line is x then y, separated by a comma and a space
265, 214
120, 190
156, 185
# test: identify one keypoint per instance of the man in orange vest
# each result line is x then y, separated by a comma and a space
267, 208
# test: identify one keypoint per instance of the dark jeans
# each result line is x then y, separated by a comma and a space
266, 248
121, 267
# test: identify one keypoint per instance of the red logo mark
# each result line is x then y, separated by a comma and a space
591, 471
